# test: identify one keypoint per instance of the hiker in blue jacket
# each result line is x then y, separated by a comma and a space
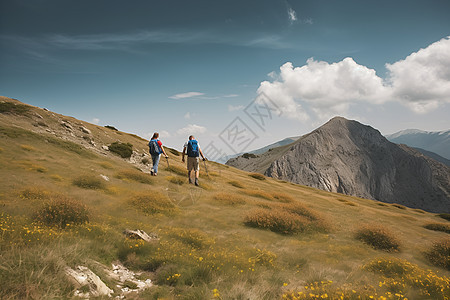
192, 148
156, 148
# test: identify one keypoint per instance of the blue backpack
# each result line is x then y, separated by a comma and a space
192, 148
153, 148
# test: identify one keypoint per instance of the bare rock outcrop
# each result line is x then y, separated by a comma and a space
351, 158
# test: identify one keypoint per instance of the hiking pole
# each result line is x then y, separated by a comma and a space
206, 169
167, 159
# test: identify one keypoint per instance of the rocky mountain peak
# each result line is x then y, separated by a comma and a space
348, 157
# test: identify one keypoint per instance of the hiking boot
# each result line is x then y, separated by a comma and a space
196, 181
190, 180
152, 172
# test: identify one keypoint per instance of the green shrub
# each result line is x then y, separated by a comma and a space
257, 176
444, 216
438, 227
89, 182
378, 237
152, 202
135, 175
122, 149
61, 213
439, 254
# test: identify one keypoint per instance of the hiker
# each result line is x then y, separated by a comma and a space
193, 150
156, 148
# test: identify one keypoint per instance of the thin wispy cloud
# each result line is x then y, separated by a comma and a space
186, 95
292, 15
235, 108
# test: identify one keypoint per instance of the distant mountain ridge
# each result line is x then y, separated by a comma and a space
437, 142
283, 142
351, 158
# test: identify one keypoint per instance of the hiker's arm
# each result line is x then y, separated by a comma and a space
182, 155
200, 150
164, 152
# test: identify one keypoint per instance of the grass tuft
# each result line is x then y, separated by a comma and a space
399, 206
135, 175
121, 149
229, 199
257, 176
444, 216
27, 147
89, 182
236, 184
35, 193
62, 212
152, 202
438, 227
378, 237
288, 218
259, 194
439, 254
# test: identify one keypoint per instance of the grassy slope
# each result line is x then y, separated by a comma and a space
203, 239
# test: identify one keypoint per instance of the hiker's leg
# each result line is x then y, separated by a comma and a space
197, 173
155, 163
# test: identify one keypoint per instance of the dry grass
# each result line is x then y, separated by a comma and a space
282, 197
378, 237
152, 202
439, 254
398, 206
236, 184
177, 170
62, 212
259, 194
438, 227
135, 175
444, 216
286, 218
257, 176
89, 182
176, 179
229, 199
27, 147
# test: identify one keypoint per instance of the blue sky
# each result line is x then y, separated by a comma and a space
181, 67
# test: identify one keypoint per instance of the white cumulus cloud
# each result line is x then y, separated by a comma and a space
186, 95
191, 129
421, 81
